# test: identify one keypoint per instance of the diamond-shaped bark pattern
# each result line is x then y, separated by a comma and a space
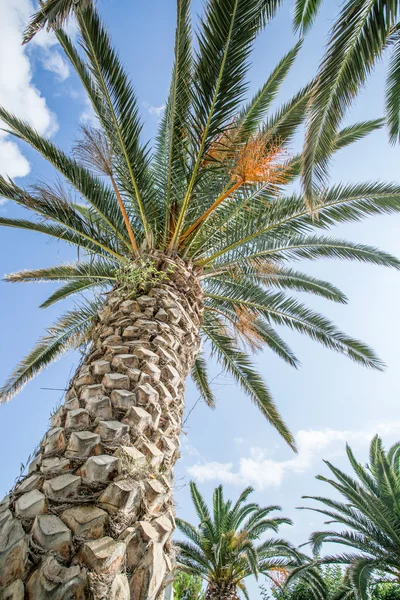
98, 494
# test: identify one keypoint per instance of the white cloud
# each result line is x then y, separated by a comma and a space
50, 58
238, 440
88, 116
156, 111
53, 61
17, 91
261, 471
188, 448
12, 162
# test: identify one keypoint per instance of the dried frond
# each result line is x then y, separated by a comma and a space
260, 160
263, 267
53, 193
244, 326
222, 149
94, 151
278, 575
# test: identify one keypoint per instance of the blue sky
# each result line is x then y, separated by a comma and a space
329, 400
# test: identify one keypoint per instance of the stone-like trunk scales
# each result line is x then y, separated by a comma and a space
94, 516
224, 590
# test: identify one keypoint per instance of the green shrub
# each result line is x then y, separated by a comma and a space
187, 587
385, 591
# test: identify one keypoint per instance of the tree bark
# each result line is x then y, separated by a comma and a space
94, 516
224, 590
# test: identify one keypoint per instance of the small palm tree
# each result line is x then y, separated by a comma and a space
363, 31
225, 548
187, 242
370, 511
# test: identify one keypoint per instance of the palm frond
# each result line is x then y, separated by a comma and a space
393, 94
225, 40
200, 377
70, 331
251, 116
283, 310
173, 131
356, 42
91, 188
60, 233
305, 12
284, 123
99, 270
52, 14
119, 117
237, 363
274, 342
69, 289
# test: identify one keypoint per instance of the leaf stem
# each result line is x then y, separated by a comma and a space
207, 213
125, 217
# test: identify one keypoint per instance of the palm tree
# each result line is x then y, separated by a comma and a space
363, 31
186, 243
370, 511
225, 550
330, 580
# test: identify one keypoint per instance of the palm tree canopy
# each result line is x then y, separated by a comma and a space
225, 547
213, 191
369, 508
362, 32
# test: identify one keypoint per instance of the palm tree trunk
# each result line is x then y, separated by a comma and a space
94, 517
224, 590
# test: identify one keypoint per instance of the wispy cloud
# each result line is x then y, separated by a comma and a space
156, 111
45, 44
260, 470
52, 61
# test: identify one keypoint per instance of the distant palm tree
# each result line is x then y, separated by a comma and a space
329, 579
225, 548
186, 243
362, 32
370, 511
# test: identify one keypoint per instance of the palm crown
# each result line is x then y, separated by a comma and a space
212, 192
363, 31
370, 511
225, 549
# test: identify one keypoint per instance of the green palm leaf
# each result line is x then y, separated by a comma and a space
251, 116
119, 117
237, 363
52, 14
356, 42
70, 331
200, 378
305, 12
393, 93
